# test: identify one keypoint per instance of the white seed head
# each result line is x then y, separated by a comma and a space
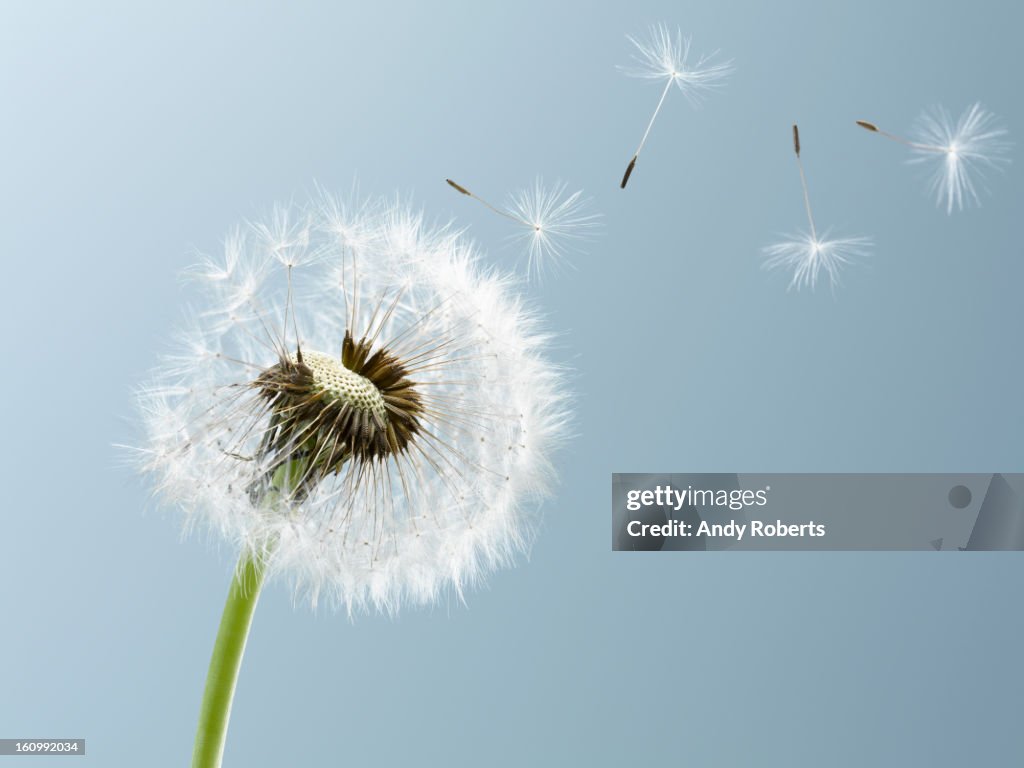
665, 55
554, 224
810, 258
404, 388
962, 150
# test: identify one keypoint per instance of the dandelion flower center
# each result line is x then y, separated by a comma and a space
345, 387
325, 411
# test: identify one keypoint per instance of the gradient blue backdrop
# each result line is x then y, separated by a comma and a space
131, 133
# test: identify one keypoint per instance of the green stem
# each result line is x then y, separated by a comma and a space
227, 658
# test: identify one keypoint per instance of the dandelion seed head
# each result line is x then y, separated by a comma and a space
665, 55
966, 148
372, 411
810, 257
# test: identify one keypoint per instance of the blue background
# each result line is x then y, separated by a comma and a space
131, 133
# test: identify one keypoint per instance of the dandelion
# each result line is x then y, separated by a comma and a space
960, 150
551, 222
357, 406
808, 255
665, 56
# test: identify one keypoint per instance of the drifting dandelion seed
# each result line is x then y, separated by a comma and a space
664, 56
962, 149
357, 406
808, 255
551, 222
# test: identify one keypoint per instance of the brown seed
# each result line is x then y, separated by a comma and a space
629, 171
867, 126
796, 139
458, 187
